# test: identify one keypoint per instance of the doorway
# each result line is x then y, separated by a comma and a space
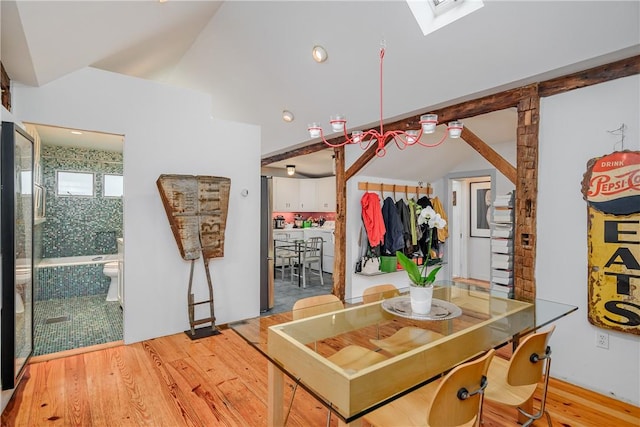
469, 251
78, 242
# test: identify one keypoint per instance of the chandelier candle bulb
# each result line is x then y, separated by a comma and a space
429, 122
356, 136
338, 122
455, 129
314, 130
412, 136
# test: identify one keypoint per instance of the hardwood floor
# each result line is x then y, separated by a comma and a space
216, 381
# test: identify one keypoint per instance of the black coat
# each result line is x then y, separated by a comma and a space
393, 237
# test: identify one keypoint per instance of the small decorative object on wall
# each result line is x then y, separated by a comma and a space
480, 204
611, 187
197, 210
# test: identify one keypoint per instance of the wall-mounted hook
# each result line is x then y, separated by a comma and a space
620, 132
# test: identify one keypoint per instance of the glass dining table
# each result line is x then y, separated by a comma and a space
405, 350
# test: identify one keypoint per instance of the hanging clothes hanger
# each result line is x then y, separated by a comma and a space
406, 193
394, 192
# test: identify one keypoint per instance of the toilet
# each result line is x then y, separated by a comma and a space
111, 269
23, 275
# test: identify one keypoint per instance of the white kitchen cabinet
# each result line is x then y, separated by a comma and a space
308, 195
286, 194
326, 192
304, 195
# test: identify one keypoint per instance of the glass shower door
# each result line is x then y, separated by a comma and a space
16, 226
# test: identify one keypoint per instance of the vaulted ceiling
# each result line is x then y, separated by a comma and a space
254, 57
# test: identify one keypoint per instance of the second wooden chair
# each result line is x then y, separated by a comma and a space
454, 400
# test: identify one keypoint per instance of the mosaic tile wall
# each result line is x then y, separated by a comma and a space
80, 225
77, 226
70, 281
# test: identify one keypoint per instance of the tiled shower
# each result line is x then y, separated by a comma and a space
70, 307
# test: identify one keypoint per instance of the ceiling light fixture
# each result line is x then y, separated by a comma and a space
291, 169
76, 132
319, 54
287, 116
402, 139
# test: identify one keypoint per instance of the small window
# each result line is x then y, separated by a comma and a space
74, 184
25, 182
112, 186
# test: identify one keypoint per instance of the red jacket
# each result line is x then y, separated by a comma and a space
372, 218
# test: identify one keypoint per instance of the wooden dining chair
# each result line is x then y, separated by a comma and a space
513, 382
379, 292
318, 304
351, 358
455, 400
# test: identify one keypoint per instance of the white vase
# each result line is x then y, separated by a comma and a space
421, 297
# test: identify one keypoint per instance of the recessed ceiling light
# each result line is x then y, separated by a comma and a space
319, 54
287, 116
76, 132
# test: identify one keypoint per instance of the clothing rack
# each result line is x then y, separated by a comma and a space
396, 188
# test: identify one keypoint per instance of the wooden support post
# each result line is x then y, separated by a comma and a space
526, 196
340, 249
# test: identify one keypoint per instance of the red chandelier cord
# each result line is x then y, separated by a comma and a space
367, 138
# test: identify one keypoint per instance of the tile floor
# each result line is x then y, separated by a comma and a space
65, 324
287, 293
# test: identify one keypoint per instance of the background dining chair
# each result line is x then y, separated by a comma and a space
318, 304
311, 254
454, 400
350, 358
513, 382
283, 256
379, 292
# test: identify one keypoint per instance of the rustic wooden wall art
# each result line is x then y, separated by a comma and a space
197, 210
611, 187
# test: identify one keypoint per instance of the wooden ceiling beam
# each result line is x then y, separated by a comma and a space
307, 149
506, 168
615, 70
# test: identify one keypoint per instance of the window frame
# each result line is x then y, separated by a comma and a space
104, 185
93, 183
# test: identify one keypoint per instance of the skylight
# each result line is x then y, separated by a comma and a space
432, 15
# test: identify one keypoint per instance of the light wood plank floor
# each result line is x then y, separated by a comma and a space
217, 381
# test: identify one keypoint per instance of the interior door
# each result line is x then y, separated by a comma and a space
16, 227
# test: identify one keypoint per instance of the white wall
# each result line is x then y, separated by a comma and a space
167, 130
573, 130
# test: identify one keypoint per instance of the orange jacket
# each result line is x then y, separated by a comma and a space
372, 218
